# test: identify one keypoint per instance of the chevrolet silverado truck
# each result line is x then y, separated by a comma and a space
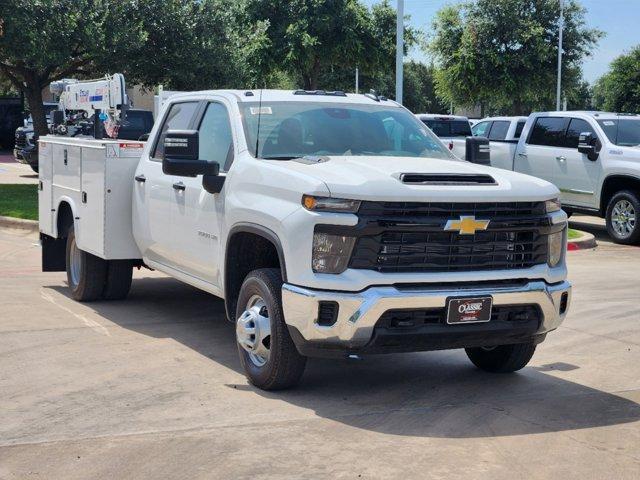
592, 157
331, 224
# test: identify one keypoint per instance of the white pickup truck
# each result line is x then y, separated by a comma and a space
332, 224
592, 157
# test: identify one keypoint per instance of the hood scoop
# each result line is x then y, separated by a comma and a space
464, 179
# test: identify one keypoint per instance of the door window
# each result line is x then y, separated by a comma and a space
499, 130
178, 118
519, 128
214, 136
548, 131
576, 127
481, 129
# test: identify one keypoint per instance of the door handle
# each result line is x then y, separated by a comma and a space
179, 186
140, 178
522, 154
561, 158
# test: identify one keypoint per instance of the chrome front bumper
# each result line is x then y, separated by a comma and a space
359, 312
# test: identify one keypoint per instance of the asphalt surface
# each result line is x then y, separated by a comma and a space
151, 387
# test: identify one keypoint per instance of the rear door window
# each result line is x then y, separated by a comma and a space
448, 128
576, 127
519, 128
481, 129
548, 131
179, 118
499, 130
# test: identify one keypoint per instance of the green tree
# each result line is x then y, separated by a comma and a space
503, 53
420, 89
186, 44
619, 89
319, 43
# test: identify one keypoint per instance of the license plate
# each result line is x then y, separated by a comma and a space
469, 310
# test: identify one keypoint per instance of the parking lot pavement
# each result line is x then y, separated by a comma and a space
151, 387
14, 172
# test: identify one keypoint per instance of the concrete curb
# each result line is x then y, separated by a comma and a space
584, 241
19, 223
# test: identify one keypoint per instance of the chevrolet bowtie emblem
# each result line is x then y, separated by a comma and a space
467, 225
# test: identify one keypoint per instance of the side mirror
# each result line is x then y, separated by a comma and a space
588, 144
477, 150
181, 151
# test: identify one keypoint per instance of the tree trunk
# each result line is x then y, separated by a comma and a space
33, 93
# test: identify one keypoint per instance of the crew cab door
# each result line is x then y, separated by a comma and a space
154, 194
577, 176
540, 153
195, 212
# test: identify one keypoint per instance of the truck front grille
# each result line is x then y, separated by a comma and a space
410, 237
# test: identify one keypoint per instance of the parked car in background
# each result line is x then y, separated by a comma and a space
11, 117
593, 158
503, 134
451, 129
137, 124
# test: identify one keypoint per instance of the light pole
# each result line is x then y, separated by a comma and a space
399, 49
561, 27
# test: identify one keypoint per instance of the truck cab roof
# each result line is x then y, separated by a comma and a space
597, 115
269, 96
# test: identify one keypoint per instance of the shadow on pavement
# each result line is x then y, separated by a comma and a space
434, 394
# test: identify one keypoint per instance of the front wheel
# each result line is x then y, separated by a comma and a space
623, 216
86, 273
503, 358
267, 352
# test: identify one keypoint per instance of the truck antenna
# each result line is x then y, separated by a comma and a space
259, 117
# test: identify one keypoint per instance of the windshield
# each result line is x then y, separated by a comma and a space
297, 129
444, 127
624, 133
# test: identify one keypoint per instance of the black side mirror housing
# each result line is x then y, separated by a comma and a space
588, 144
477, 150
181, 151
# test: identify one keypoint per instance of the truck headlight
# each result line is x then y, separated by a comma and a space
556, 247
552, 205
331, 253
328, 204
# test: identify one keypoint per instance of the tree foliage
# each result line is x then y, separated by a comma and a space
504, 52
319, 43
619, 89
185, 44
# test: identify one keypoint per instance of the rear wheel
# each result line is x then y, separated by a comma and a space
623, 217
118, 279
86, 273
267, 352
503, 358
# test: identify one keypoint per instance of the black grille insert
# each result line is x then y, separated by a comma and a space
327, 313
406, 319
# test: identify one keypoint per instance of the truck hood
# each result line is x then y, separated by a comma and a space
378, 178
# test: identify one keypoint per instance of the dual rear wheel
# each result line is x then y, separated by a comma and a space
92, 278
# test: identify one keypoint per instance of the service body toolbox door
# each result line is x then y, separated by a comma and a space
45, 198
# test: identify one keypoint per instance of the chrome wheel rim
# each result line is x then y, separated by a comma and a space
253, 331
623, 218
75, 263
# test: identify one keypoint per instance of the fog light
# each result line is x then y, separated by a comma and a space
556, 247
331, 253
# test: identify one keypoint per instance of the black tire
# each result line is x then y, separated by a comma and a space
91, 276
285, 365
502, 359
568, 211
633, 236
118, 280
34, 168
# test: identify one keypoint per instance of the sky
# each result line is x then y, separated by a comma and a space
619, 19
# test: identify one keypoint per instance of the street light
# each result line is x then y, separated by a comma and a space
399, 49
561, 27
